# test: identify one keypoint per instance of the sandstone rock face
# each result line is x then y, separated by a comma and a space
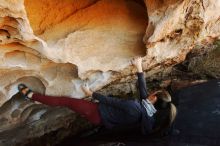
176, 29
94, 40
54, 47
102, 33
71, 42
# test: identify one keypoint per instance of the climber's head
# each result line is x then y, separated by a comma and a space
166, 110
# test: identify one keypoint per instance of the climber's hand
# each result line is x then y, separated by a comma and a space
86, 90
137, 62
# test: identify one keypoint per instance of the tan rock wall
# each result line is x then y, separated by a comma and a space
101, 35
68, 43
92, 41
175, 30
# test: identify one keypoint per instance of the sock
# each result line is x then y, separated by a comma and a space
30, 95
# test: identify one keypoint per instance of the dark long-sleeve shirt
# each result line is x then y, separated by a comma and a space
119, 112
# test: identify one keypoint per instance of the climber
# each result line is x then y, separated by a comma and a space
153, 113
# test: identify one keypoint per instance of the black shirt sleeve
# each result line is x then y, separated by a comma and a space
142, 86
116, 102
101, 98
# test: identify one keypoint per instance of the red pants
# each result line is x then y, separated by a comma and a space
87, 109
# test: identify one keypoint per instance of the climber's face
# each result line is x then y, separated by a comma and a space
152, 98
